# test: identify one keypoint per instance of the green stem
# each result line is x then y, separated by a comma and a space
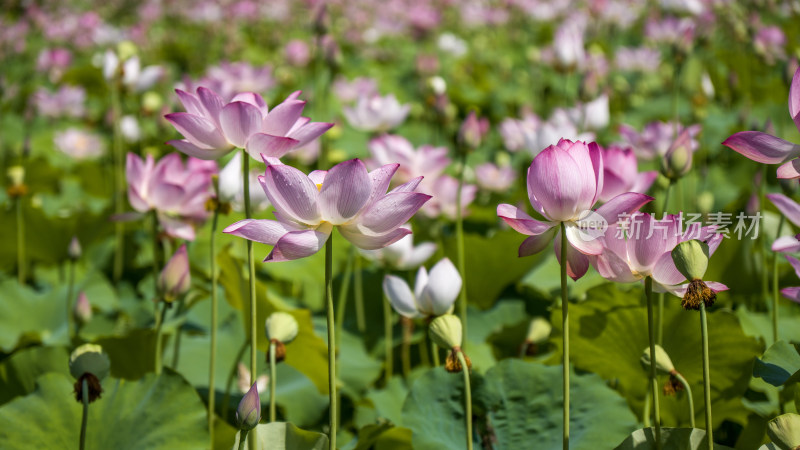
387, 339
646, 411
405, 352
176, 346
21, 275
242, 438
435, 353
212, 363
648, 292
156, 251
762, 237
424, 358
462, 298
251, 269
775, 288
331, 339
706, 376
119, 179
272, 380
160, 335
361, 323
85, 418
344, 291
688, 390
71, 329
467, 398
565, 327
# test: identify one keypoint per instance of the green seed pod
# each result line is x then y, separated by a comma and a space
446, 331
664, 364
784, 431
691, 259
538, 330
281, 326
89, 358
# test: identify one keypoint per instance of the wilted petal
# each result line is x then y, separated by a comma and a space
239, 121
292, 193
264, 231
786, 206
344, 193
299, 244
536, 243
368, 241
790, 169
444, 285
392, 211
680, 290
400, 296
577, 262
762, 147
520, 221
272, 146
198, 130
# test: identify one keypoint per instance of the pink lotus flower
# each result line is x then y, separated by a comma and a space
620, 173
793, 293
307, 207
768, 149
348, 91
79, 144
212, 128
376, 113
427, 161
494, 178
642, 247
229, 78
178, 194
656, 138
564, 183
68, 101
445, 192
297, 53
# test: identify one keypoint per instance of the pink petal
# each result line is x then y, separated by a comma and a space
794, 98
344, 193
253, 99
612, 267
292, 193
318, 176
198, 130
520, 221
596, 157
577, 262
239, 121
789, 169
191, 103
371, 242
309, 132
555, 182
786, 206
762, 147
786, 244
166, 196
267, 145
795, 264
176, 228
792, 293
536, 243
282, 117
264, 231
190, 149
392, 211
400, 296
380, 178
409, 186
211, 102
665, 272
299, 244
622, 204
643, 181
648, 240
586, 243
680, 291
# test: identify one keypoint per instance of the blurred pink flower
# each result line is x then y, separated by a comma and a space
79, 144
230, 78
348, 91
445, 192
68, 101
426, 161
176, 192
494, 178
641, 59
212, 128
82, 309
564, 183
768, 149
307, 207
297, 53
54, 61
568, 42
533, 134
376, 113
641, 246
473, 130
791, 211
656, 138
769, 42
671, 31
621, 173
793, 293
175, 279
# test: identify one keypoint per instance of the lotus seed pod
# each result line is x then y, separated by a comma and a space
89, 358
248, 414
281, 326
664, 364
538, 330
16, 174
784, 431
446, 331
691, 259
74, 250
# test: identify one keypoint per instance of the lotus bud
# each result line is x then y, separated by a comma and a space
16, 176
74, 250
538, 330
677, 161
691, 260
248, 414
664, 364
281, 328
472, 130
446, 331
175, 279
82, 309
784, 431
89, 363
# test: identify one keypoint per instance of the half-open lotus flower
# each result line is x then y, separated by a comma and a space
308, 207
564, 183
621, 173
641, 246
768, 149
433, 295
212, 128
376, 113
